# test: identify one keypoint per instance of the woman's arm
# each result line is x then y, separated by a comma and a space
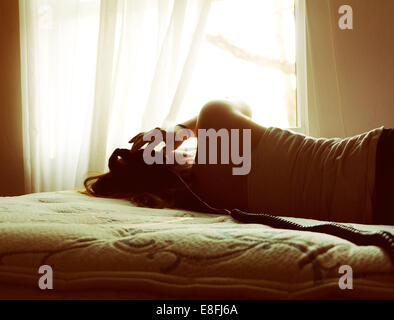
190, 124
236, 106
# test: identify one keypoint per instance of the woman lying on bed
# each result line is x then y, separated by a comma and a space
348, 180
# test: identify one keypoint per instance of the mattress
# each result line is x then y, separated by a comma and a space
109, 249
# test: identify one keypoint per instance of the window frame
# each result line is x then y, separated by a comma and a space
301, 67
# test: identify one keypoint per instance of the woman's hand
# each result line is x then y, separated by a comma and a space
181, 134
138, 141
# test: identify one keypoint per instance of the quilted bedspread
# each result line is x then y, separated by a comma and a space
108, 248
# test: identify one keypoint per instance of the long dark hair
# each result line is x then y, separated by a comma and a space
155, 186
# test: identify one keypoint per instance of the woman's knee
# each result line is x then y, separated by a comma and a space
212, 114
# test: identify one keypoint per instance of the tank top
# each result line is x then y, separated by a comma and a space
296, 175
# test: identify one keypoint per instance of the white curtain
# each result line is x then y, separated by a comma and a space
95, 73
323, 89
349, 82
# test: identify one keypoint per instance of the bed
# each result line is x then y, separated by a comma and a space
109, 249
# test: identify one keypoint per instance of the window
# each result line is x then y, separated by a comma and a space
248, 51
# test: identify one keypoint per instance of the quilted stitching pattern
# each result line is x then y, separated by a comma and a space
110, 244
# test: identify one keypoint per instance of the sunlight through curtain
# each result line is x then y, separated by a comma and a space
95, 73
